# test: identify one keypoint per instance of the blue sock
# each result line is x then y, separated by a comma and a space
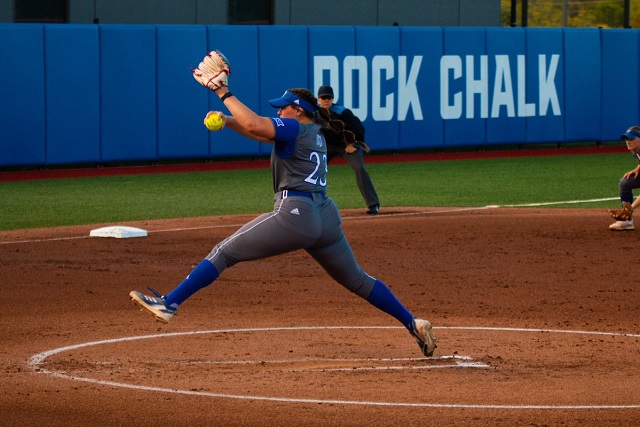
203, 275
626, 198
382, 298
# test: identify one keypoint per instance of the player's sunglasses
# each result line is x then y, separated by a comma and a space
326, 97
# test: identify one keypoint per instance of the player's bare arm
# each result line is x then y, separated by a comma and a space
233, 124
246, 119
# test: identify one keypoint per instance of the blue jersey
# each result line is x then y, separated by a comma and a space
299, 157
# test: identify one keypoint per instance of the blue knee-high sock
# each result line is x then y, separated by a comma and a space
382, 298
626, 198
203, 275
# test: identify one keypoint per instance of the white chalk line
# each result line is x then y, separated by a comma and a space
210, 227
457, 362
317, 359
389, 215
566, 202
36, 361
397, 368
55, 239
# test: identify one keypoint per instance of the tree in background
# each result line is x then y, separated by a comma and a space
580, 13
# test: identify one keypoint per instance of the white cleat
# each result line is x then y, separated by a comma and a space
424, 337
622, 226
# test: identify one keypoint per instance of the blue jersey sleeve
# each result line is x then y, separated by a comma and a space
286, 134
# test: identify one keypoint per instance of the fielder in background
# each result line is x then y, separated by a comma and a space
352, 153
629, 181
303, 217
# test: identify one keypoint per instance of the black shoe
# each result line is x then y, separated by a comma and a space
373, 209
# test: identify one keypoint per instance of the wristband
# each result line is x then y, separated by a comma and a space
225, 96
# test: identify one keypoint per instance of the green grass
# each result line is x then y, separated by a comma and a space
58, 202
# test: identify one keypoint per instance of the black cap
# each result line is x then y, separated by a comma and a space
325, 91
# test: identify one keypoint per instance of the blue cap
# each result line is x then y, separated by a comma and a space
630, 134
289, 98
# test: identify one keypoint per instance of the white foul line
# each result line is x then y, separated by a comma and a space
36, 360
209, 227
566, 202
444, 211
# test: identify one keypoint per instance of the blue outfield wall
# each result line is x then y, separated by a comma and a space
72, 94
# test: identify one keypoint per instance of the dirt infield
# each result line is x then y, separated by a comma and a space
536, 312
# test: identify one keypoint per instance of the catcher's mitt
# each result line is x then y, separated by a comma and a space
623, 214
213, 71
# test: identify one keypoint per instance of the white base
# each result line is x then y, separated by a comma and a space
119, 232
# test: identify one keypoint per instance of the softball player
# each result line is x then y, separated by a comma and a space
628, 183
303, 216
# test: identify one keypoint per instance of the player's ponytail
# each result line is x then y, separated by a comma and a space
337, 127
323, 117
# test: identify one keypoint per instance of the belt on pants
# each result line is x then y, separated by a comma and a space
295, 193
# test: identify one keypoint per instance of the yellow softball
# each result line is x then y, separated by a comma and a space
214, 122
